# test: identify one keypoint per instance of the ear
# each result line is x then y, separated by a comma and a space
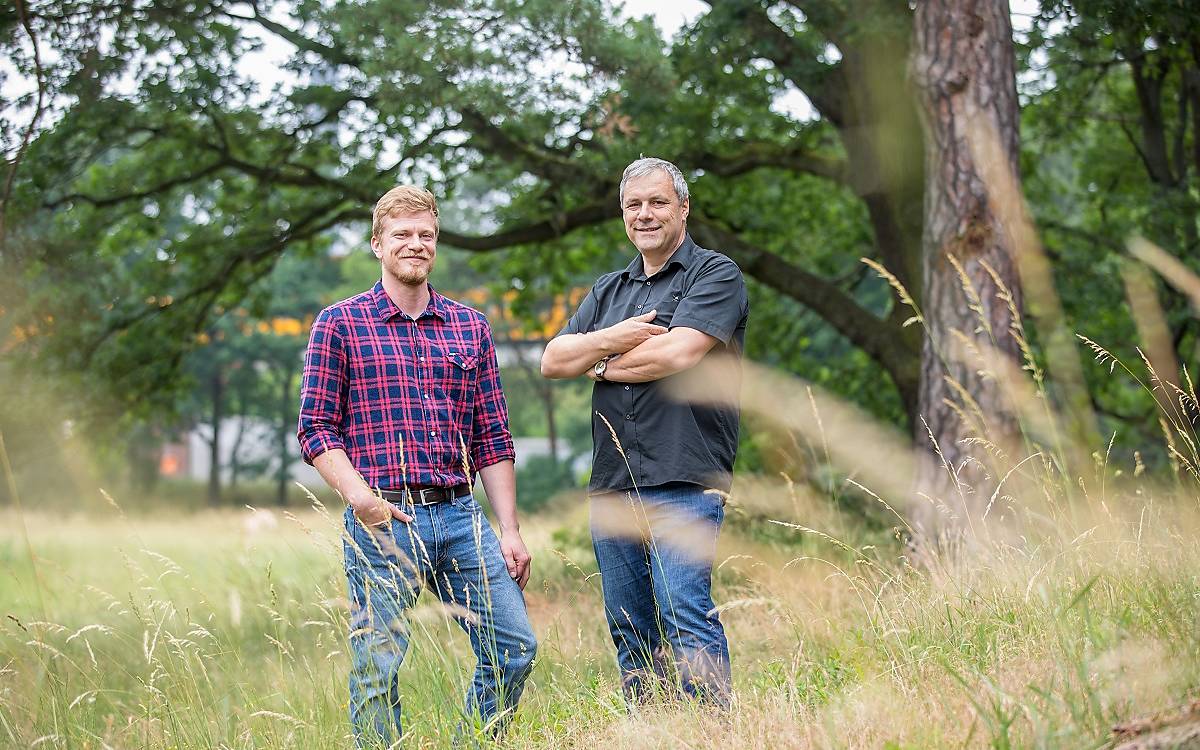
375, 247
686, 207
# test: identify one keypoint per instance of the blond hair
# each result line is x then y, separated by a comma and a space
403, 199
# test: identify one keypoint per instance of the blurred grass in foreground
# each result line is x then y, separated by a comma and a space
228, 630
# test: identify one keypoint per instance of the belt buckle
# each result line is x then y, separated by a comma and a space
420, 496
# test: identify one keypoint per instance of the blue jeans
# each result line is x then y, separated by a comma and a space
655, 551
451, 549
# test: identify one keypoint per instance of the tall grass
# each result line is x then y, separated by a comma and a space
225, 630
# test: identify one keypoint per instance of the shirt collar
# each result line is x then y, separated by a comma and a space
682, 257
388, 309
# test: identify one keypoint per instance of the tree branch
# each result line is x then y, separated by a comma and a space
331, 54
252, 250
881, 340
818, 81
302, 176
1099, 240
547, 229
331, 112
795, 158
37, 115
112, 200
1148, 76
552, 166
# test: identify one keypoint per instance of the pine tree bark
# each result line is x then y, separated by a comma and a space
963, 68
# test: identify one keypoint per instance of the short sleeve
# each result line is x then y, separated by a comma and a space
715, 302
585, 317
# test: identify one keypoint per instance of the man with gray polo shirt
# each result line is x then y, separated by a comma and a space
674, 306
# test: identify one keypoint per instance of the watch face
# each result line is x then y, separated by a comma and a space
601, 366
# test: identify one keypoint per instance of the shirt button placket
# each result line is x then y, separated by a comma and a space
427, 381
422, 381
645, 298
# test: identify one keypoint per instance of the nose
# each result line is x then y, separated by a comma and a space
644, 211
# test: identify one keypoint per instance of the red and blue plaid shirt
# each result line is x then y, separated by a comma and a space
404, 398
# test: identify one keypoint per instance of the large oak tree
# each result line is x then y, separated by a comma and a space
173, 187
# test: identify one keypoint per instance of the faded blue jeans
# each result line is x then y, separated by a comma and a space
449, 548
655, 551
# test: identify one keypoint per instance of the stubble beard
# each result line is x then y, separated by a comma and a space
408, 274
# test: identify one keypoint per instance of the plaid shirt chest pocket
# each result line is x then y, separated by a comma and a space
455, 369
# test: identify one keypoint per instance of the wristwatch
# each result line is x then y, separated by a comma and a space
599, 369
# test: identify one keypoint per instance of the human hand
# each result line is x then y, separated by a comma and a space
372, 510
516, 557
623, 336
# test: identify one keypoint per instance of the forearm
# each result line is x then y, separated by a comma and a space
337, 471
500, 484
572, 354
656, 358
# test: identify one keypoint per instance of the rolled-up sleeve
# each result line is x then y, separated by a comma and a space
322, 389
491, 441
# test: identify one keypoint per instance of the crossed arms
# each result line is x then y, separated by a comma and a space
641, 351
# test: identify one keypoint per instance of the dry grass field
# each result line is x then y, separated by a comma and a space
227, 630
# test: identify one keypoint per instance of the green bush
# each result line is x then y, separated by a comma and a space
540, 478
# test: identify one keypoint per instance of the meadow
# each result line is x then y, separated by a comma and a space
171, 629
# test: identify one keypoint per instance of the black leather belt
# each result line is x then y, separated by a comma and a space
425, 494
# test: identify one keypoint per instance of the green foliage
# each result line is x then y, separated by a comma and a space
164, 187
186, 189
540, 479
1106, 93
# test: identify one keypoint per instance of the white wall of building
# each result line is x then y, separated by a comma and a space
258, 445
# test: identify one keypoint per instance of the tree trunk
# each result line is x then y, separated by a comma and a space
551, 426
235, 451
286, 424
217, 395
1148, 83
963, 66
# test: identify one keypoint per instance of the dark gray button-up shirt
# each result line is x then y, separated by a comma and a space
665, 439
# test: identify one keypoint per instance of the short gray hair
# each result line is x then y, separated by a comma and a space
648, 165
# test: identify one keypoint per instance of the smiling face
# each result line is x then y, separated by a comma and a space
406, 245
655, 219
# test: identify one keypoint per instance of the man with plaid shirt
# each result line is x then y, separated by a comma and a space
400, 407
